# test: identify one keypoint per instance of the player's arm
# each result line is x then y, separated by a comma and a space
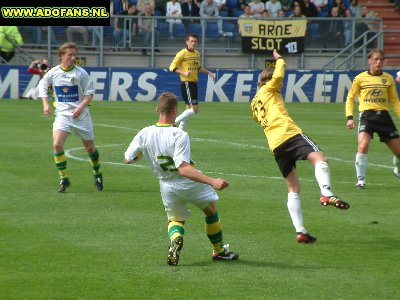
86, 86
176, 62
354, 90
186, 170
394, 98
209, 73
44, 93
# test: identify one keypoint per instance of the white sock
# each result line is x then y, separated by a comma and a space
186, 114
323, 177
294, 208
361, 166
396, 163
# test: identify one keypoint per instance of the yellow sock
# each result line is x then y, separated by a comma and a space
214, 232
61, 164
175, 229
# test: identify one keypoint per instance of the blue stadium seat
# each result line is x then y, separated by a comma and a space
178, 30
313, 30
163, 28
232, 4
237, 12
228, 26
195, 28
212, 30
223, 13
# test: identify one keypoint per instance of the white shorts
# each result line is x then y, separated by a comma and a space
82, 125
176, 194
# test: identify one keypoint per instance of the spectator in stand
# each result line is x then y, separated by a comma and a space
174, 14
40, 68
256, 8
341, 7
190, 8
297, 13
246, 13
320, 4
281, 14
242, 4
265, 15
348, 28
287, 5
222, 5
122, 26
10, 38
355, 8
308, 9
82, 30
397, 4
39, 32
334, 37
140, 5
159, 5
273, 6
146, 28
209, 10
118, 6
368, 14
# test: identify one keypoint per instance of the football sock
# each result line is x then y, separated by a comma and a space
323, 178
94, 160
61, 164
294, 208
175, 229
396, 162
361, 165
214, 232
186, 114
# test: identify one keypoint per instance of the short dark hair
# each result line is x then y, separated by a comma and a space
193, 35
376, 50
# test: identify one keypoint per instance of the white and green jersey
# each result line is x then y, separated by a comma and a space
164, 146
70, 86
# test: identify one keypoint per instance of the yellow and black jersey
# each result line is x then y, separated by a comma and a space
269, 110
374, 92
186, 60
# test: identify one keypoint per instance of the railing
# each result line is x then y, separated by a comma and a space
105, 41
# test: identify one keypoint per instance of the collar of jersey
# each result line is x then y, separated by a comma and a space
66, 70
164, 125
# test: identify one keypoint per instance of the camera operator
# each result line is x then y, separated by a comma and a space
39, 68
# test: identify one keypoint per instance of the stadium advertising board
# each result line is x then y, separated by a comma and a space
263, 36
126, 84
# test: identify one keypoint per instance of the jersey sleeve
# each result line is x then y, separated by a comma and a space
353, 92
176, 62
277, 76
44, 84
182, 149
86, 84
134, 151
394, 97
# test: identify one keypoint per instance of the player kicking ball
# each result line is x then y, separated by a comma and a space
289, 144
167, 149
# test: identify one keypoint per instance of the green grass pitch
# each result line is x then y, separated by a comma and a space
112, 244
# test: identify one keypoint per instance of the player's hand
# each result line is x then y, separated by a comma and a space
188, 73
76, 113
47, 110
276, 54
219, 183
350, 124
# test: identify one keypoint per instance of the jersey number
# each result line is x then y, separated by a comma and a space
166, 163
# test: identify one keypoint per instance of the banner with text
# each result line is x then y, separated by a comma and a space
128, 84
263, 36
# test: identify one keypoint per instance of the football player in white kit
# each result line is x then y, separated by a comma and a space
73, 92
167, 148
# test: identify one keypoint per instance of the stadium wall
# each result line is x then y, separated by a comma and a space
144, 84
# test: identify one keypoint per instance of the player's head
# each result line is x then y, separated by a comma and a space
167, 103
376, 58
191, 41
67, 54
265, 76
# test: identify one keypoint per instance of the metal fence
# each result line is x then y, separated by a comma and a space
218, 36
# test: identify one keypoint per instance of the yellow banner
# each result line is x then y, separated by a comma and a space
273, 28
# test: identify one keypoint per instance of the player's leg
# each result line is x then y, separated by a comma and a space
394, 145
361, 160
294, 208
214, 233
189, 95
94, 158
59, 137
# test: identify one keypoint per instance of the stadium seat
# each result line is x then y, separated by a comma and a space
313, 30
237, 12
162, 28
232, 4
195, 28
228, 26
178, 30
223, 13
212, 30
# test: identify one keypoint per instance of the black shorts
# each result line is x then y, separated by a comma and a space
378, 121
296, 148
189, 92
